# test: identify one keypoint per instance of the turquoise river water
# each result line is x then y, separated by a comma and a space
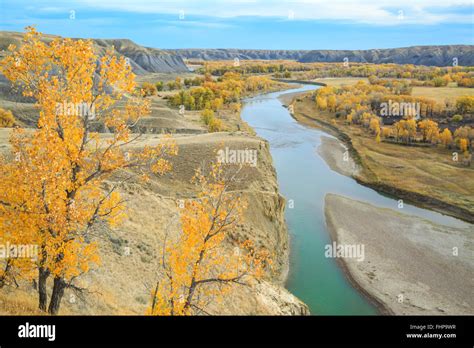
304, 179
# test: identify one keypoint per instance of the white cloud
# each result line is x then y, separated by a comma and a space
378, 12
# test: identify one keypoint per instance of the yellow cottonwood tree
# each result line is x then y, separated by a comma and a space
386, 132
374, 125
463, 144
446, 137
197, 267
429, 129
331, 103
406, 129
350, 118
50, 192
321, 102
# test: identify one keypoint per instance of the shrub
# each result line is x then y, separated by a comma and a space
6, 118
465, 105
456, 118
466, 82
159, 86
439, 82
215, 125
207, 115
148, 89
171, 85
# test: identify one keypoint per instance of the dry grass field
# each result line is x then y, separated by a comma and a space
449, 92
341, 81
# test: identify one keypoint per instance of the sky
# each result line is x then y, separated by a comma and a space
251, 24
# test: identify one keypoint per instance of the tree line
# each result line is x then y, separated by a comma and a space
361, 105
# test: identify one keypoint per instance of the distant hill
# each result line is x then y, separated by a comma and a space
228, 54
151, 60
143, 59
418, 55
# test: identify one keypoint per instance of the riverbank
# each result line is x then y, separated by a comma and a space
410, 265
336, 155
287, 98
424, 177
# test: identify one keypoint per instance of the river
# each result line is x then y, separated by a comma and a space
304, 179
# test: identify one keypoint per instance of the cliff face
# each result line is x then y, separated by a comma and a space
143, 59
418, 55
228, 54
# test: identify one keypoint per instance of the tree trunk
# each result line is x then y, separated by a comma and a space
57, 295
3, 278
43, 296
155, 293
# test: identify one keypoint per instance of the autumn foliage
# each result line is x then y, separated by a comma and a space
50, 192
197, 267
6, 118
360, 105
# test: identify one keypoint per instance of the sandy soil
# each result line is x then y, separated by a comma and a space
410, 264
337, 156
287, 98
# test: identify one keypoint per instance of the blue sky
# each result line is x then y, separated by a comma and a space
263, 24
